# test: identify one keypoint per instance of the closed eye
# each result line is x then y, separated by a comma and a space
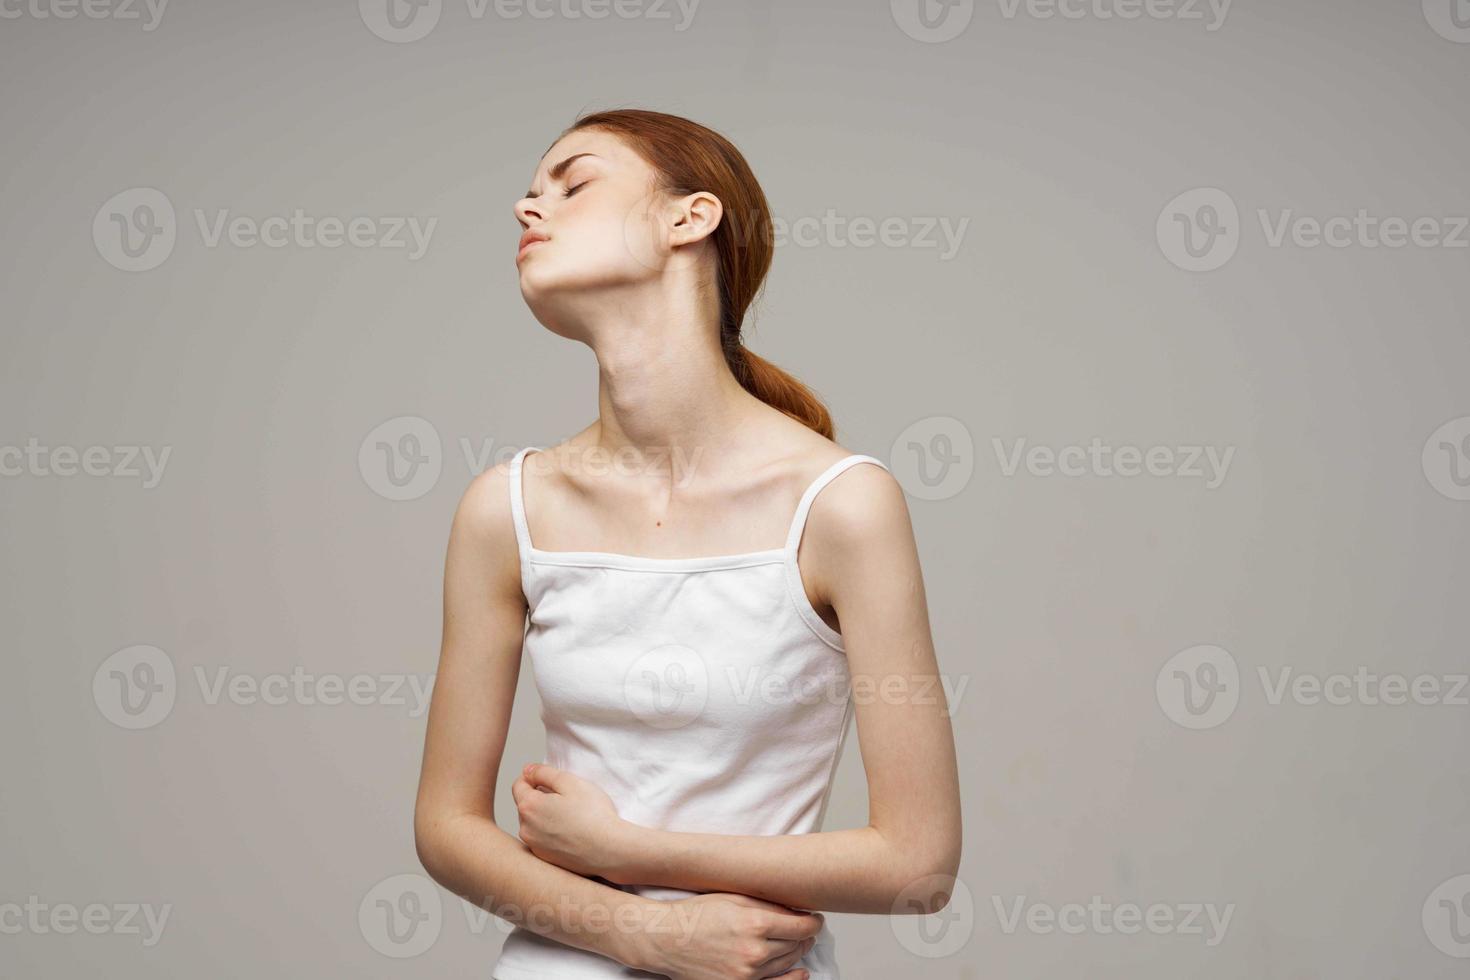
572, 190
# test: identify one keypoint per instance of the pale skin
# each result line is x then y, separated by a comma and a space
637, 292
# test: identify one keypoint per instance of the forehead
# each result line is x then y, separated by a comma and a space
609, 148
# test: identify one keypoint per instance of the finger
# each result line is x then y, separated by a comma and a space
794, 926
784, 954
524, 794
541, 775
784, 966
779, 947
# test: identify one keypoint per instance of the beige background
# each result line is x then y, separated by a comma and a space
1333, 543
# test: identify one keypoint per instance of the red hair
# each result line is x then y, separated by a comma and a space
689, 157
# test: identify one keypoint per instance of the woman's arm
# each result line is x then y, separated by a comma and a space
458, 840
859, 554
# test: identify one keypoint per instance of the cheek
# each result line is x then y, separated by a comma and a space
600, 247
613, 238
641, 239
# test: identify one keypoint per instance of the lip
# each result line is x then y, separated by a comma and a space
527, 240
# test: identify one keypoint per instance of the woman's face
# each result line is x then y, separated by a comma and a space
593, 201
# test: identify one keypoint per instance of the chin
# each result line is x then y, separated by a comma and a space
544, 281
541, 299
538, 282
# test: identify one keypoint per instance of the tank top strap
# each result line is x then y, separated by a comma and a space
517, 500
798, 523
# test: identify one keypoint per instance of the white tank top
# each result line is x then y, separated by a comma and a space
704, 695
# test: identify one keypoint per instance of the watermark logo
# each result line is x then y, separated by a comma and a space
759, 685
401, 916
149, 12
1446, 458
1363, 687
1446, 917
138, 686
667, 687
567, 916
306, 231
1199, 687
934, 458
1449, 18
833, 230
1105, 918
643, 232
135, 687
1199, 231
40, 918
400, 21
932, 21
1211, 12
118, 462
135, 230
307, 689
402, 458
1207, 463
405, 21
934, 916
1363, 230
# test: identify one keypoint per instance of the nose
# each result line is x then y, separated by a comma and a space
528, 212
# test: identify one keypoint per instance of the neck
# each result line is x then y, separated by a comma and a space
666, 396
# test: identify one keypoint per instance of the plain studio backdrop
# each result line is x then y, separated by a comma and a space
1157, 311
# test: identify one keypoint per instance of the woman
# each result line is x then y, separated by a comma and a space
696, 692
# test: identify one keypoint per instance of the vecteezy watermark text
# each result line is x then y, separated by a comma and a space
137, 686
1208, 463
1200, 230
406, 21
833, 230
403, 458
1211, 12
87, 9
136, 230
402, 916
1201, 686
762, 686
39, 918
121, 462
1124, 918
937, 21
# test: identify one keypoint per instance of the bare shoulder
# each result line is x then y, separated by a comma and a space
482, 540
857, 531
857, 535
860, 509
484, 507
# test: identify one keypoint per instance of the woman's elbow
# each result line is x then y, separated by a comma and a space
928, 883
433, 835
428, 844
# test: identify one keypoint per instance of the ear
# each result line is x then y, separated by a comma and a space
695, 217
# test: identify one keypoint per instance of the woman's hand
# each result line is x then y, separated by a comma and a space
570, 822
725, 936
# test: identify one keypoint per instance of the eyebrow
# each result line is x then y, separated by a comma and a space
555, 173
